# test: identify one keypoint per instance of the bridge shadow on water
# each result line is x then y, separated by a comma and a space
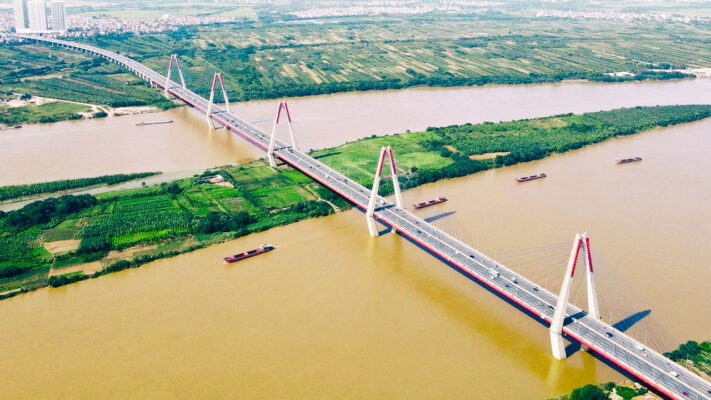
574, 345
440, 216
629, 322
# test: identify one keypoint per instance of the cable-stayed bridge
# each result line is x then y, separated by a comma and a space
565, 319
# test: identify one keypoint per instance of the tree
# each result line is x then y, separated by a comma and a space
625, 392
588, 392
219, 222
9, 271
173, 188
93, 245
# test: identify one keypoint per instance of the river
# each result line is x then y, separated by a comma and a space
334, 313
75, 149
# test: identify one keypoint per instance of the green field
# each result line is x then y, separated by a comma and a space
165, 220
49, 112
269, 60
50, 72
162, 219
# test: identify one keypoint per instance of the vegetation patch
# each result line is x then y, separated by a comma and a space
45, 113
265, 60
35, 189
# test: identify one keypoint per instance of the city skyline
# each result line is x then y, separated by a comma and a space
32, 16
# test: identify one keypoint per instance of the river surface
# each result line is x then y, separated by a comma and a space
334, 313
75, 149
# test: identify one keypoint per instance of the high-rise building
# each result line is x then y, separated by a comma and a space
37, 15
58, 18
20, 8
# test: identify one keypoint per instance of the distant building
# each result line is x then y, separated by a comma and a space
58, 17
31, 16
21, 21
37, 15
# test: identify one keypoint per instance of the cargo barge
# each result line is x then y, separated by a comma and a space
629, 160
531, 178
265, 248
438, 200
144, 123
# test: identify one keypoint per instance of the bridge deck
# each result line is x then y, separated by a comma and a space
608, 342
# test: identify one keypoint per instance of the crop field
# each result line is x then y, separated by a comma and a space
166, 218
50, 72
300, 58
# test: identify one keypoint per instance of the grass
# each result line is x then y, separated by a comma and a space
358, 159
48, 112
66, 230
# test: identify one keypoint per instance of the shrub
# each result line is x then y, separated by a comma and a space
43, 211
588, 392
10, 271
93, 245
173, 188
219, 222
625, 392
61, 280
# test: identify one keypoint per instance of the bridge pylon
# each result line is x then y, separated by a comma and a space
173, 59
369, 214
272, 140
556, 329
210, 104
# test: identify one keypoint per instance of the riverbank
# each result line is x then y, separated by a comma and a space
40, 110
116, 230
352, 56
691, 355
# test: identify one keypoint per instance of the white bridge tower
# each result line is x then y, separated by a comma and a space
173, 58
556, 329
369, 214
270, 150
211, 103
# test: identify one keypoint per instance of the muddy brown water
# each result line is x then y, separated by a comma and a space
334, 313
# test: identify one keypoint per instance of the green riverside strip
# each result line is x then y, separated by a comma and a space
35, 189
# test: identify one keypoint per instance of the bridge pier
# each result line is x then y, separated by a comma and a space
272, 140
370, 212
556, 329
